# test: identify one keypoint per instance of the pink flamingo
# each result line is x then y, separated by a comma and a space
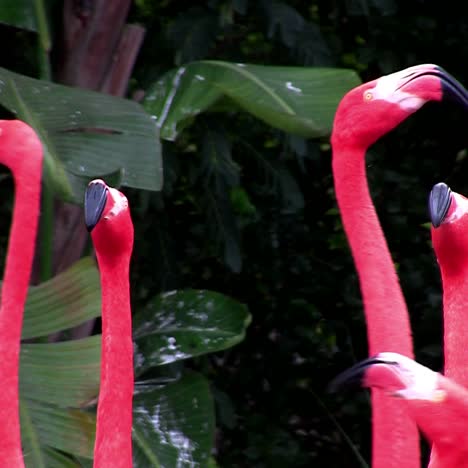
448, 211
21, 152
365, 114
437, 404
107, 216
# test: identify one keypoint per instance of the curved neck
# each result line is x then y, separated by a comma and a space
455, 287
387, 319
113, 446
14, 291
388, 327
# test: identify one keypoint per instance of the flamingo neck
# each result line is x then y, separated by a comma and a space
455, 316
113, 446
14, 292
388, 327
384, 306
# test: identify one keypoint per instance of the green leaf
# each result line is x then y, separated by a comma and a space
295, 99
56, 459
64, 373
217, 162
173, 425
58, 379
32, 452
18, 13
219, 173
85, 134
65, 429
182, 324
221, 216
67, 300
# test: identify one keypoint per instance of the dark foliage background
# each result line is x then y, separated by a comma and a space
250, 211
296, 273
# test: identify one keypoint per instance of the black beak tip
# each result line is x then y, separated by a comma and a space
350, 379
353, 377
452, 89
94, 203
440, 199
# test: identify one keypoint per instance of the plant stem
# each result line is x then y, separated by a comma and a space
46, 228
44, 40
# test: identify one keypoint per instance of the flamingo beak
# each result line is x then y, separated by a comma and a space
450, 88
94, 203
440, 199
355, 376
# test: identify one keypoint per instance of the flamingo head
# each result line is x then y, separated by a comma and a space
372, 109
20, 148
449, 216
107, 217
395, 374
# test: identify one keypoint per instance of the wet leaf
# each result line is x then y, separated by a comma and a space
173, 425
85, 134
182, 324
295, 99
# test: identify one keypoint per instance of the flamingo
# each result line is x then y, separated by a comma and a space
21, 152
437, 404
107, 216
448, 212
366, 113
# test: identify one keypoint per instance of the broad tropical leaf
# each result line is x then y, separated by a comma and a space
173, 425
85, 134
68, 299
182, 324
64, 373
294, 99
65, 429
58, 380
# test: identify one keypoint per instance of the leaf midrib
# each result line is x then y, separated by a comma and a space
251, 77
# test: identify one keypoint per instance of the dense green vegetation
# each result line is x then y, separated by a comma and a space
248, 210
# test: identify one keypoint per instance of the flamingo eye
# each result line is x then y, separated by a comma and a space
368, 96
